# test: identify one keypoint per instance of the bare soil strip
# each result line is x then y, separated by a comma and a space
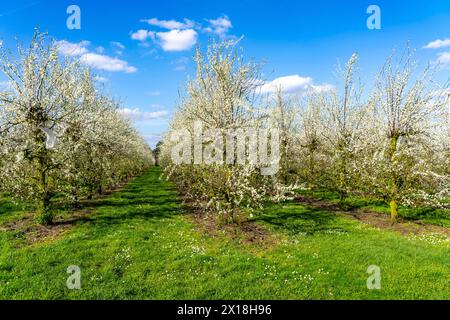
246, 232
28, 229
376, 219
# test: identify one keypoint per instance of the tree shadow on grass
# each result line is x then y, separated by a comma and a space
297, 219
332, 197
143, 198
9, 207
428, 215
126, 202
151, 214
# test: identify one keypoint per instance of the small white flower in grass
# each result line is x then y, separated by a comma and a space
196, 250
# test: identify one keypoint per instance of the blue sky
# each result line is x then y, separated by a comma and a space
141, 50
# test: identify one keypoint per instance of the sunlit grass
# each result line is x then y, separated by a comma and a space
140, 244
440, 217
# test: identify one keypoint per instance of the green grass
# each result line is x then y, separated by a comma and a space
440, 217
140, 244
10, 210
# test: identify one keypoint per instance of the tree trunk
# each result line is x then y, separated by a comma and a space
75, 200
394, 181
342, 178
312, 169
44, 214
394, 210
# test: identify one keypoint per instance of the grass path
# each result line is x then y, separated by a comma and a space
139, 244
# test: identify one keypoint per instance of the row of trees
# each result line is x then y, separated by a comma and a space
59, 136
392, 143
222, 97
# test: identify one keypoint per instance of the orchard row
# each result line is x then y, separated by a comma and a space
60, 137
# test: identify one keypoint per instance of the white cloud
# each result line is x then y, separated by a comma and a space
6, 85
72, 49
100, 79
441, 94
181, 35
173, 40
436, 44
143, 35
177, 40
292, 84
139, 115
106, 63
152, 138
180, 64
180, 67
444, 58
157, 106
170, 24
94, 60
287, 84
219, 26
155, 93
322, 88
118, 45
